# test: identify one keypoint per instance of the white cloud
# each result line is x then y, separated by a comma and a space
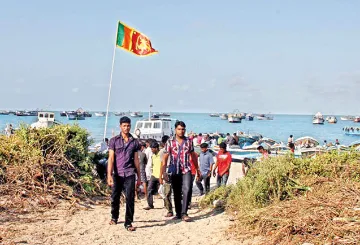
75, 90
236, 81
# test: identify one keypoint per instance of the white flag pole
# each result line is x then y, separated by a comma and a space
111, 77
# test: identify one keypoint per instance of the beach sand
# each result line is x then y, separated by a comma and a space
90, 225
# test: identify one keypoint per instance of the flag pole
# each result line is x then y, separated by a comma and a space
109, 94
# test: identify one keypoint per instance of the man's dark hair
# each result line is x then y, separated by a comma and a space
154, 144
148, 141
234, 134
106, 140
142, 143
164, 139
125, 120
222, 145
200, 134
260, 147
291, 145
204, 145
291, 136
227, 134
180, 123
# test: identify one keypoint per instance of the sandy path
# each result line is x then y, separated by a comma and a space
90, 226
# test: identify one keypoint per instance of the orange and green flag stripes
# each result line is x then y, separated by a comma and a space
133, 41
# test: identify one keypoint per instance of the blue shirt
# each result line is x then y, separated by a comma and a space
124, 155
206, 159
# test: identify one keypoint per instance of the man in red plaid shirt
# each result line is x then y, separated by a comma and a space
179, 149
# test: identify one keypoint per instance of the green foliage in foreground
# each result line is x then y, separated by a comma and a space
48, 161
282, 178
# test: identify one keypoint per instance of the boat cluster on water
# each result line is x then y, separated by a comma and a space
237, 117
319, 119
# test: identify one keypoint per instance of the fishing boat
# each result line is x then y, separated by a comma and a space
224, 116
264, 117
136, 114
163, 114
26, 113
249, 117
75, 116
357, 119
119, 114
87, 114
45, 120
153, 128
63, 114
214, 115
318, 119
4, 112
99, 114
234, 119
332, 119
347, 118
352, 131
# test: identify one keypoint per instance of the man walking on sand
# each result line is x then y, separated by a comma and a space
123, 164
179, 149
223, 164
206, 166
155, 174
167, 182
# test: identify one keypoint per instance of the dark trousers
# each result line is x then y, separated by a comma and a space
191, 188
152, 189
181, 184
206, 180
128, 185
222, 180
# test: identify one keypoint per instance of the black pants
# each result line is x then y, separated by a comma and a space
191, 188
128, 185
206, 179
152, 189
181, 184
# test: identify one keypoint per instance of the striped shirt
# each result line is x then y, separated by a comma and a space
180, 154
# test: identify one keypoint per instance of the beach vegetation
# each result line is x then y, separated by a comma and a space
287, 200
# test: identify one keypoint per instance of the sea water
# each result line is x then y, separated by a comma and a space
278, 129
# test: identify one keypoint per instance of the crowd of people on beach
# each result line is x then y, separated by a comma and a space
168, 168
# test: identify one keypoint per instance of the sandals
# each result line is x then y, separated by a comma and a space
130, 228
186, 218
169, 214
113, 222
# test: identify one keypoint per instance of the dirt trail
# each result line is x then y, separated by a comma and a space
90, 226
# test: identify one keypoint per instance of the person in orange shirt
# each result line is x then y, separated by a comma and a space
193, 174
223, 164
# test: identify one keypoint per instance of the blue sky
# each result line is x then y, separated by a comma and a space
256, 56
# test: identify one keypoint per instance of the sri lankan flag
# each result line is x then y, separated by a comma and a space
133, 41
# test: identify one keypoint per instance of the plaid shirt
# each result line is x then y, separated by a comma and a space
181, 159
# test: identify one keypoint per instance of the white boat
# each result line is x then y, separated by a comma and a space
153, 128
4, 112
45, 120
99, 114
224, 117
234, 119
318, 118
347, 118
332, 119
136, 114
352, 131
214, 115
357, 119
264, 117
